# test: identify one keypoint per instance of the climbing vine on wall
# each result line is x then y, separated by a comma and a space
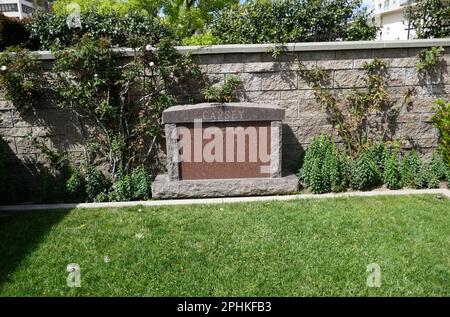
121, 98
349, 113
95, 86
21, 76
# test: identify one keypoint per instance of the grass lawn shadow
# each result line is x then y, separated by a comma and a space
20, 234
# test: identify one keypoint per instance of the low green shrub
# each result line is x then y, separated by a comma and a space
134, 186
366, 171
391, 173
327, 169
122, 187
411, 167
142, 184
76, 187
324, 168
96, 183
428, 177
439, 167
200, 39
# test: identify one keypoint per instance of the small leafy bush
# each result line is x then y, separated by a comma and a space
441, 120
200, 39
365, 169
391, 173
324, 168
141, 180
411, 167
438, 166
428, 177
225, 92
96, 183
76, 187
135, 186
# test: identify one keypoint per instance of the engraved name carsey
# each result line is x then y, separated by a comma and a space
223, 115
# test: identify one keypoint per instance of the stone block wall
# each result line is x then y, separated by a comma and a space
276, 80
265, 79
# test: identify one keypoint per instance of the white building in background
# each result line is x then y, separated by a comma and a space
22, 8
388, 15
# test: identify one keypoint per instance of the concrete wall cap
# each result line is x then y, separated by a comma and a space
288, 47
223, 112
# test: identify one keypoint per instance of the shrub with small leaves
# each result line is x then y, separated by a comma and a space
76, 186
134, 186
438, 166
365, 170
410, 169
122, 187
324, 168
141, 180
96, 183
428, 177
391, 173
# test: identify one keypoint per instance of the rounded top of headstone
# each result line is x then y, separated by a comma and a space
223, 112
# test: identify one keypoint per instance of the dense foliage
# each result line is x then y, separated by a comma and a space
293, 21
20, 76
429, 18
14, 32
367, 168
441, 120
223, 92
190, 18
92, 84
129, 30
327, 169
64, 7
324, 170
121, 99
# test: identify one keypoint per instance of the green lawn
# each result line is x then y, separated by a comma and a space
295, 248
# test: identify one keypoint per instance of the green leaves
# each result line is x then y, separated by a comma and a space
327, 169
324, 168
441, 120
429, 59
391, 174
225, 92
124, 30
20, 76
411, 167
293, 21
429, 18
365, 171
